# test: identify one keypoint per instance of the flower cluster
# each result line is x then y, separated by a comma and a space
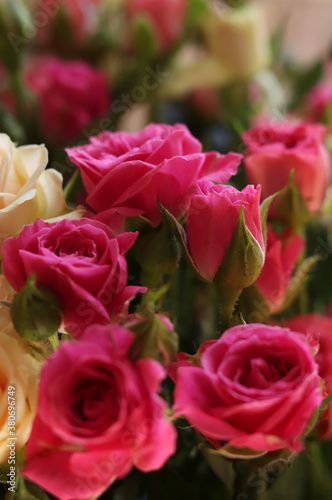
165, 258
256, 388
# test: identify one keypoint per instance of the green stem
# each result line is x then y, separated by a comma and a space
227, 298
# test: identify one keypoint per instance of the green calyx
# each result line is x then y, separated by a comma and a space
36, 312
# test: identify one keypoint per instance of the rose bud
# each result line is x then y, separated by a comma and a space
224, 234
255, 388
277, 151
166, 18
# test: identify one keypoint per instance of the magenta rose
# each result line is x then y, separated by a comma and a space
256, 388
166, 18
319, 329
126, 174
212, 219
79, 260
274, 150
70, 94
282, 253
99, 414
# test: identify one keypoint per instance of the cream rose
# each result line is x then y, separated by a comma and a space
238, 39
18, 370
27, 190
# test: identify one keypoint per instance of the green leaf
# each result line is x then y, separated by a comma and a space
36, 312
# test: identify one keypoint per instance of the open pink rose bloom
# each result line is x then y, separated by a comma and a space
256, 387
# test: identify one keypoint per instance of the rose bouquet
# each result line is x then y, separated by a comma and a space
165, 317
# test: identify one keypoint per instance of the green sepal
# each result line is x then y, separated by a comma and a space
291, 208
36, 312
137, 223
153, 340
326, 402
264, 212
179, 233
157, 250
254, 306
243, 260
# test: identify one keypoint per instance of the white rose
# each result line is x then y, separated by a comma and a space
27, 190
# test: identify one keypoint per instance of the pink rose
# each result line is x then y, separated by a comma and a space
98, 416
319, 328
277, 149
70, 95
212, 219
256, 387
79, 260
126, 174
166, 17
282, 252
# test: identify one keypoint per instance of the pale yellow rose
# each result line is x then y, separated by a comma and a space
18, 369
238, 39
27, 190
236, 48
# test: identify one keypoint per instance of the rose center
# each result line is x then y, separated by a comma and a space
96, 405
260, 373
77, 247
